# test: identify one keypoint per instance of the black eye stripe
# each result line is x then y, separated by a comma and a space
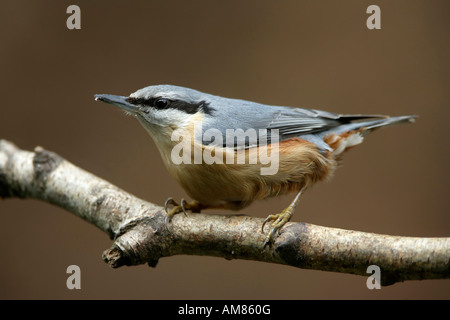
140, 101
190, 108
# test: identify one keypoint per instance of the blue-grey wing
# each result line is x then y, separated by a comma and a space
297, 121
231, 115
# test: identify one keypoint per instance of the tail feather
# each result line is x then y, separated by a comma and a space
369, 125
328, 139
388, 121
348, 135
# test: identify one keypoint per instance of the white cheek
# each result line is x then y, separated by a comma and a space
168, 118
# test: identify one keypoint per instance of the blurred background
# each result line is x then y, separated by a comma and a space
314, 54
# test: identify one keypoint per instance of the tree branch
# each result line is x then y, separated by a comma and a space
141, 235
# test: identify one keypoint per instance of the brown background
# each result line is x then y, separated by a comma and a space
297, 53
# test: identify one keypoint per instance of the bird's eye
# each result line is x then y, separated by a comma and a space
161, 103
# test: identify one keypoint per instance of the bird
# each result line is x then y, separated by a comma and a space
194, 131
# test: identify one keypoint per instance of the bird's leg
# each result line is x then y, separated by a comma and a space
280, 219
193, 206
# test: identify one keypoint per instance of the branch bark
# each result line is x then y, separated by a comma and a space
141, 235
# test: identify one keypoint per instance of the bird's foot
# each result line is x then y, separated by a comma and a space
193, 206
279, 220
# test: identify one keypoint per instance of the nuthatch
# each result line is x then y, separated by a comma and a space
309, 144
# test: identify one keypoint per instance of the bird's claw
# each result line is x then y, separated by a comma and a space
183, 206
279, 220
169, 201
175, 209
194, 206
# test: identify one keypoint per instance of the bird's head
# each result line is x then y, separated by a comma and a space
162, 109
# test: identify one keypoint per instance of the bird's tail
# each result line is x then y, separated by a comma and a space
365, 126
375, 124
348, 135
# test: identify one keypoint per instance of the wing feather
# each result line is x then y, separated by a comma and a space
289, 121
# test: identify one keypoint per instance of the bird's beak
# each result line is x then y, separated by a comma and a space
118, 101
